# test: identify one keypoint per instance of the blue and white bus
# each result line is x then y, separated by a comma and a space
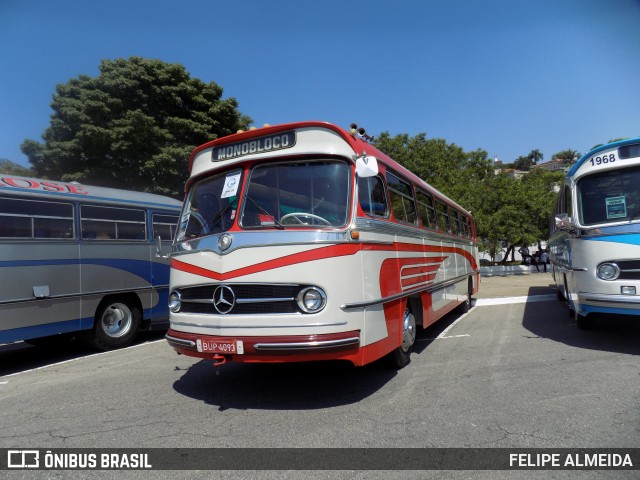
82, 260
595, 234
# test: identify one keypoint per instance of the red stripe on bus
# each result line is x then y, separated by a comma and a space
321, 254
302, 257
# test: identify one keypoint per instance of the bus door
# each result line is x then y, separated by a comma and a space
377, 255
114, 255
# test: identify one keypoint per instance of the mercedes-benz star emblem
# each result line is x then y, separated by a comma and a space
224, 299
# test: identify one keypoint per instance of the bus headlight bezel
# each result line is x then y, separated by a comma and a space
311, 299
175, 302
608, 271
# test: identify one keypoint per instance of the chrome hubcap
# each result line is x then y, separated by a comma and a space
408, 330
117, 320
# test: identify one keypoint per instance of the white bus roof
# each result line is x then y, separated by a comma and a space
11, 184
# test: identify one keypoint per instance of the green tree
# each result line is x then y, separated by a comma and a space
133, 126
525, 163
535, 156
522, 163
570, 155
12, 168
442, 165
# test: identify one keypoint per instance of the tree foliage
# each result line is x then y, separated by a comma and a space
133, 126
7, 166
571, 155
440, 164
508, 211
525, 163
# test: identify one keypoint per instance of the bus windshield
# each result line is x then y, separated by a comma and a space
297, 194
210, 206
609, 197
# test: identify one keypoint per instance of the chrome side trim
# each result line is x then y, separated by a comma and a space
411, 231
180, 341
260, 238
344, 342
408, 293
85, 294
614, 299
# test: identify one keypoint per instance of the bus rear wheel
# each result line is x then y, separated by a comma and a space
116, 324
401, 356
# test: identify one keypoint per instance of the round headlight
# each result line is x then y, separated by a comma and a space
175, 302
311, 299
224, 242
608, 271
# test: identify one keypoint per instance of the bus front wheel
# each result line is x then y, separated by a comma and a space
116, 324
401, 356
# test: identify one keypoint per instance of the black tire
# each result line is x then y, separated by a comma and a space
468, 303
401, 356
116, 324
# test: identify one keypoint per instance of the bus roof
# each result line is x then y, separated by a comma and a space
356, 144
57, 189
600, 148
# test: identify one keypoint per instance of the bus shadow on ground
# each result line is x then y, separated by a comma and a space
21, 356
282, 386
294, 386
611, 333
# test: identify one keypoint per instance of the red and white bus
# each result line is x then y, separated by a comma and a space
302, 242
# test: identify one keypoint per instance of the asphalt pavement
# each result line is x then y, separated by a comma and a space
516, 285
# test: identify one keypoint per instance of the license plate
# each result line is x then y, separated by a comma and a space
223, 346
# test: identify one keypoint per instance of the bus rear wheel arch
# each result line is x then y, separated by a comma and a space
116, 322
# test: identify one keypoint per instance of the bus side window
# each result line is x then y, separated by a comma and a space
453, 216
22, 218
164, 226
15, 227
372, 197
425, 210
109, 223
402, 203
443, 217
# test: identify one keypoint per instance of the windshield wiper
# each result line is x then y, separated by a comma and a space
217, 219
276, 223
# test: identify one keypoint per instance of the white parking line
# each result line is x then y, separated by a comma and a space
483, 302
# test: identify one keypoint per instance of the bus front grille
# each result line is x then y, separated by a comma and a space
240, 299
629, 269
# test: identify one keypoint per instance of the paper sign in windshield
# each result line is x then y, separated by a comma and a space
616, 207
231, 184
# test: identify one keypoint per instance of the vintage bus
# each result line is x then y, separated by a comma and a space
303, 242
82, 260
595, 234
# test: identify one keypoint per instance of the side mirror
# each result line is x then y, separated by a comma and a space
564, 222
366, 166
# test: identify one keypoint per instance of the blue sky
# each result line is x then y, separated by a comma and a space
506, 76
